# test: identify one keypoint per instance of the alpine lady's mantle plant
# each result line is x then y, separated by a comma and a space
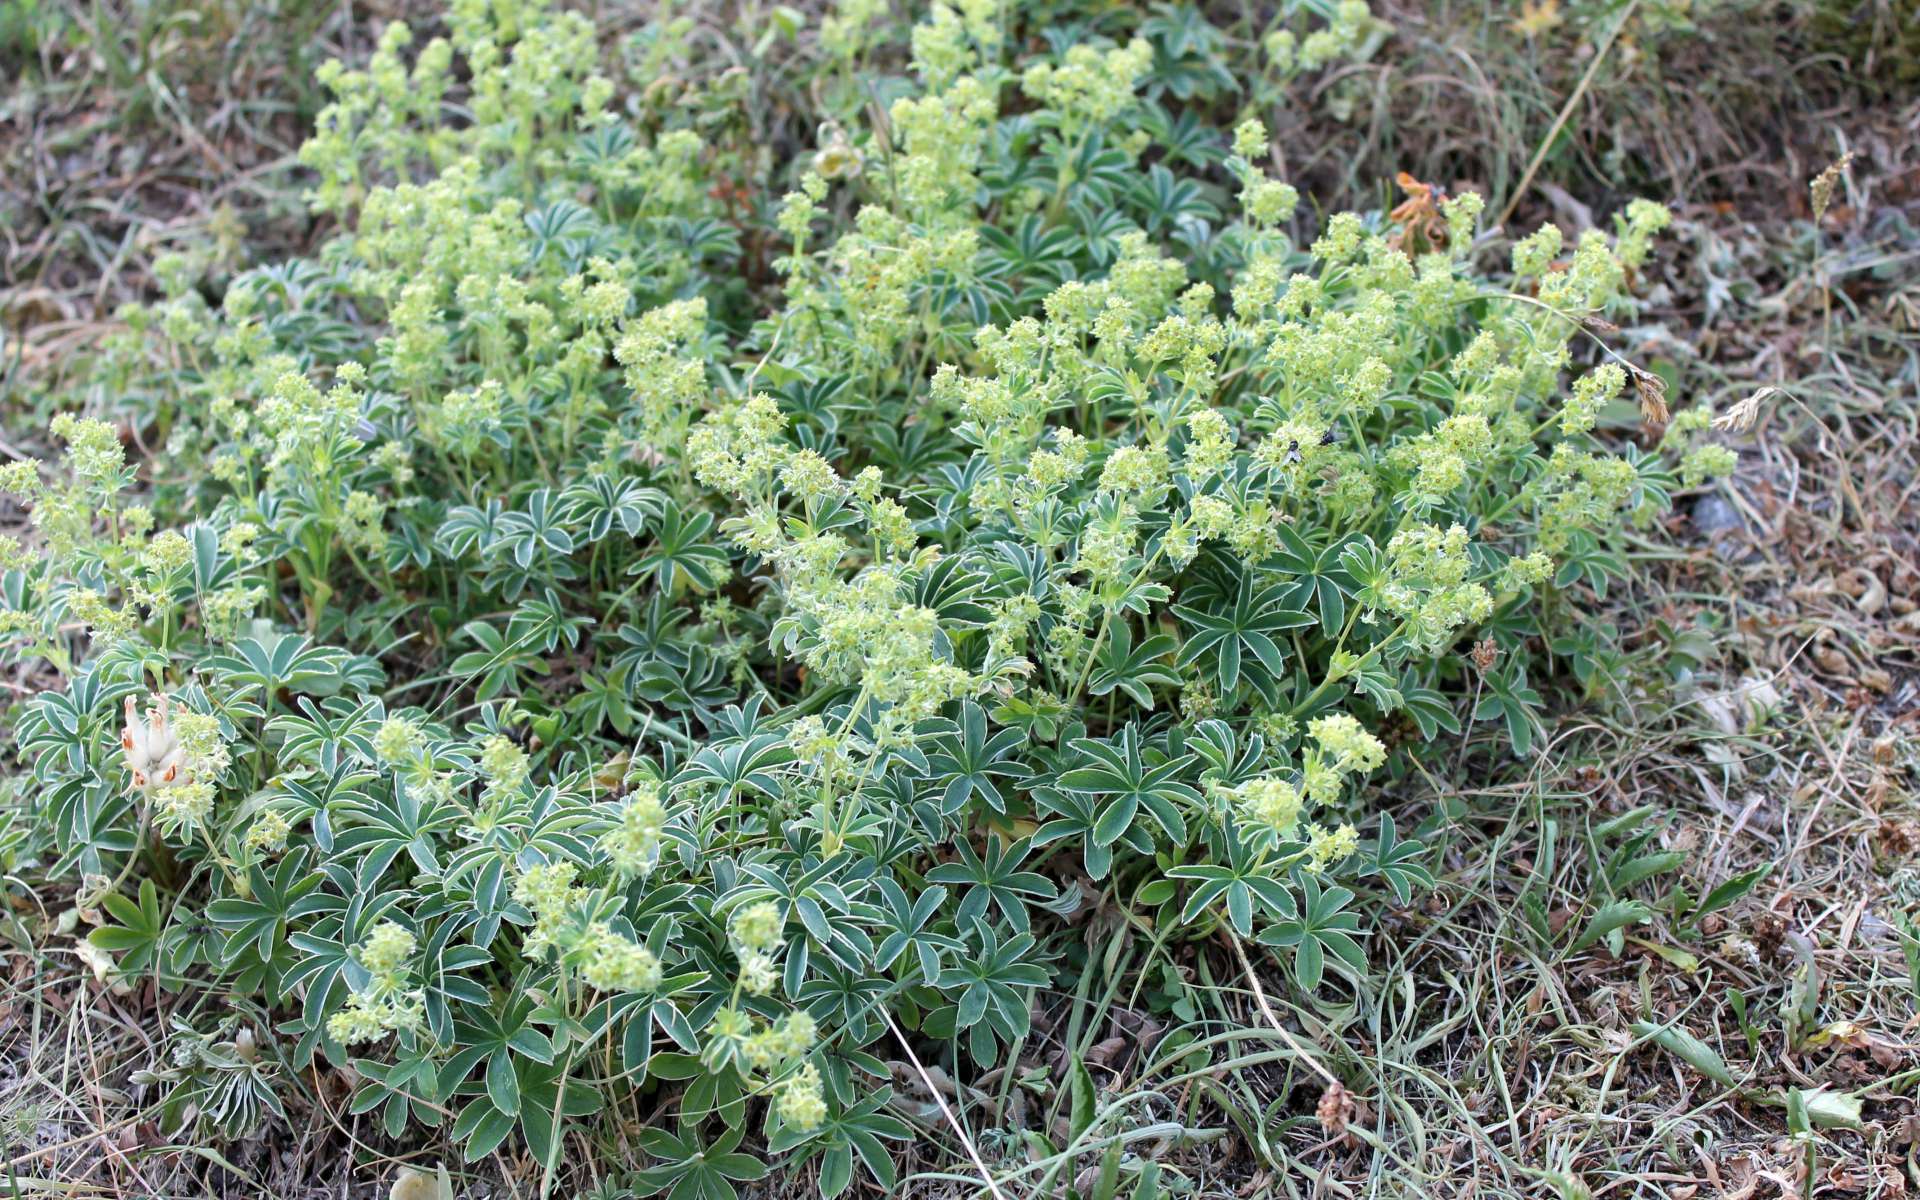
583, 666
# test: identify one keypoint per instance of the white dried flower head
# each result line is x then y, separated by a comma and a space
150, 746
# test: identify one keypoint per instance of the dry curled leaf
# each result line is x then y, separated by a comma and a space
1419, 215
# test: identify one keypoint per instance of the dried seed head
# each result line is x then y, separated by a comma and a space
1335, 1109
1484, 654
1824, 183
1653, 397
1741, 416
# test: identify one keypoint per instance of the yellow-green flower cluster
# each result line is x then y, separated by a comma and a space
1273, 803
399, 741
1638, 226
668, 383
1533, 254
1527, 570
851, 27
800, 1102
736, 449
755, 931
94, 454
224, 611
503, 765
183, 796
611, 963
268, 833
181, 808
1590, 281
65, 512
942, 135
565, 926
1592, 392
1089, 86
1577, 491
384, 1003
1338, 747
777, 1051
1328, 846
1430, 590
633, 844
1709, 460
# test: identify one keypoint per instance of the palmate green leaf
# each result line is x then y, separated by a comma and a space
471, 529
1431, 711
1032, 252
853, 1134
1314, 576
905, 924
682, 556
256, 926
603, 503
279, 662
1587, 561
326, 969
1371, 678
602, 701
406, 1090
1396, 861
969, 762
1511, 701
137, 937
409, 819
1241, 886
735, 766
1073, 815
1127, 777
548, 1097
493, 1040
994, 980
1320, 931
318, 734
994, 878
1163, 200
1229, 760
61, 728
1241, 634
637, 1017
542, 624
1134, 670
495, 666
538, 530
700, 686
694, 1170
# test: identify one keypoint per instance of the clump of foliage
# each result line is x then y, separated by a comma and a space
542, 662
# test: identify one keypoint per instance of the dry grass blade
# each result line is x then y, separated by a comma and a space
1266, 1007
953, 1122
